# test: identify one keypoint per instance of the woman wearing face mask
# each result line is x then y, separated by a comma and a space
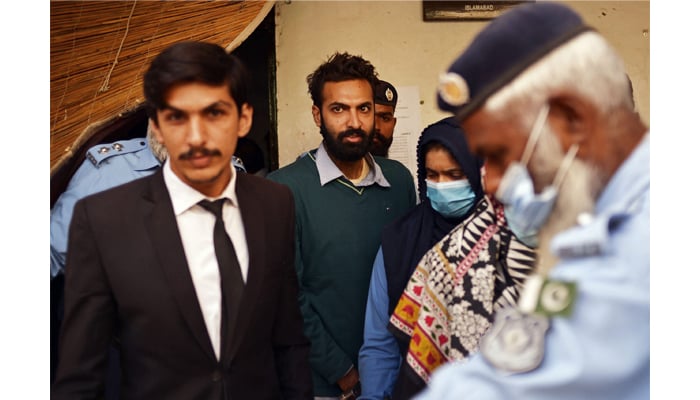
441, 298
449, 187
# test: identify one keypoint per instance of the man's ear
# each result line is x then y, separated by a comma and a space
245, 119
156, 130
572, 118
316, 112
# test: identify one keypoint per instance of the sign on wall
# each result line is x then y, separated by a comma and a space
465, 10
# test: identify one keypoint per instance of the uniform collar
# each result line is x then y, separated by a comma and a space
622, 197
146, 162
631, 179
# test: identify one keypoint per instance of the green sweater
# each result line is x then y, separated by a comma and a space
338, 233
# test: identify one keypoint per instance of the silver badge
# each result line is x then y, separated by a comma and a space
389, 94
515, 342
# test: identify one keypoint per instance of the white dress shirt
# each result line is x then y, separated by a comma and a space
196, 227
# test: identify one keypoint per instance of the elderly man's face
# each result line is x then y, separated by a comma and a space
498, 142
502, 141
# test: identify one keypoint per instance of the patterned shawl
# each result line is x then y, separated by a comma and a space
449, 302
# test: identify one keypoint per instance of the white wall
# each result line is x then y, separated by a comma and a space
410, 52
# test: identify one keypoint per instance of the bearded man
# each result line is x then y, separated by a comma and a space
343, 198
545, 100
385, 100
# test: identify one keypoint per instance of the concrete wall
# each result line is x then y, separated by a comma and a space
410, 52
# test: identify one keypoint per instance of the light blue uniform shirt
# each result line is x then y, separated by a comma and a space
602, 350
105, 166
379, 357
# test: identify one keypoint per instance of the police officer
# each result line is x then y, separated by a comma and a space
545, 100
385, 99
105, 166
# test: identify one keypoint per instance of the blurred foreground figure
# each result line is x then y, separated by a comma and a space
545, 101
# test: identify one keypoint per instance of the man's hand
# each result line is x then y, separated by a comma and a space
349, 380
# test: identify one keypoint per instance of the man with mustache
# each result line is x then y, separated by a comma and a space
190, 269
343, 198
106, 165
545, 100
385, 99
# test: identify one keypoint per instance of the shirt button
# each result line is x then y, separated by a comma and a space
216, 376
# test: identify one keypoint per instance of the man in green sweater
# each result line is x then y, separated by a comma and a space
343, 198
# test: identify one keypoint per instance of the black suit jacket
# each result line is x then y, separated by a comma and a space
127, 276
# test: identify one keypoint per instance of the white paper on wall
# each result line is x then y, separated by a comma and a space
408, 127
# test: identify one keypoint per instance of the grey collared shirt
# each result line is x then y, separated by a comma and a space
328, 171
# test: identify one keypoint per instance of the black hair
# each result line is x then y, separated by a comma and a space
433, 145
251, 154
338, 68
191, 61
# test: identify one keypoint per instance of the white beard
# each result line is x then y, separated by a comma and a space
158, 149
577, 194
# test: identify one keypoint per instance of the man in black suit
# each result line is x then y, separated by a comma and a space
191, 323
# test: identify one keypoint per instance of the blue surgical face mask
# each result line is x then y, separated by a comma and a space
525, 210
451, 199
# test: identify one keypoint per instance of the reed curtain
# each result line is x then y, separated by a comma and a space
100, 50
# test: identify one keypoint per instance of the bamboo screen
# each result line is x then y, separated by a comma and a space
100, 50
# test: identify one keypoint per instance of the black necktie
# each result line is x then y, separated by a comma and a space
230, 271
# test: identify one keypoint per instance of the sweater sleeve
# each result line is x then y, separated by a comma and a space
326, 358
